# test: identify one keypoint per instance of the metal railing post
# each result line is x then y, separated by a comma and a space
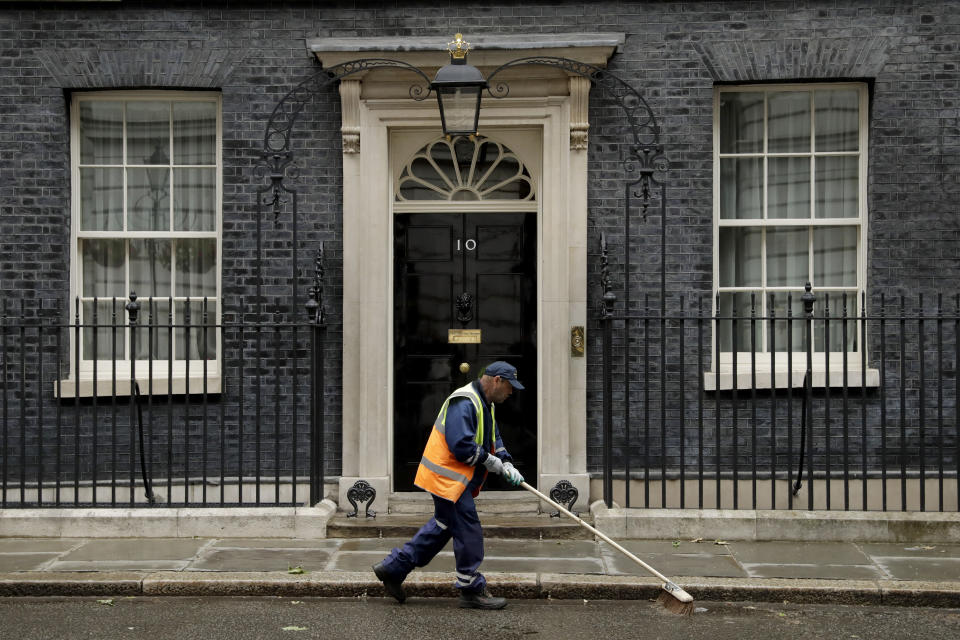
315, 313
606, 323
5, 420
808, 299
133, 311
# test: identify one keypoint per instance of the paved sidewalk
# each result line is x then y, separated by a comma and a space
914, 573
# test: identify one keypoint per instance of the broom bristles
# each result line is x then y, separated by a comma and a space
669, 602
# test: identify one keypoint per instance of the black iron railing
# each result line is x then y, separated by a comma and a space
746, 409
187, 409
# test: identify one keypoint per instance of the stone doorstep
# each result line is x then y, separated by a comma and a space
488, 503
494, 526
510, 585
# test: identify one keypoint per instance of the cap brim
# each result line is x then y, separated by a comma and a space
515, 383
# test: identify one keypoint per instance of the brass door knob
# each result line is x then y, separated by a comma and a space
464, 367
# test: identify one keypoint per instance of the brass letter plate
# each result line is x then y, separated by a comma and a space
463, 336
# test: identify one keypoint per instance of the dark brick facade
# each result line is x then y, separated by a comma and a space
675, 52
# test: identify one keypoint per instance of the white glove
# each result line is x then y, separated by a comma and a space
494, 464
511, 474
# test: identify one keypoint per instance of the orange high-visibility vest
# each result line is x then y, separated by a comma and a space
440, 472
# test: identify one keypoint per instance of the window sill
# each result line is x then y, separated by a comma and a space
121, 387
781, 379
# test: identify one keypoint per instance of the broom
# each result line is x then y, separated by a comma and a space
672, 597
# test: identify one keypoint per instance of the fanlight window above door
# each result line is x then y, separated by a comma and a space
462, 169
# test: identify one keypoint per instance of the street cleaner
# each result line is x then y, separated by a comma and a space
464, 446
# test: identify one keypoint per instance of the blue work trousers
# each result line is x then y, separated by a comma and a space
457, 520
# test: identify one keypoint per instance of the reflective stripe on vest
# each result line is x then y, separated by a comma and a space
440, 472
447, 473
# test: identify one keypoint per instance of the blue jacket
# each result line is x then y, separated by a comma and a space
461, 429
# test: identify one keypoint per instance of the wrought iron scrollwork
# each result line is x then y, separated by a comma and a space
315, 309
644, 161
361, 491
276, 158
285, 114
643, 158
609, 297
643, 123
278, 167
465, 307
566, 494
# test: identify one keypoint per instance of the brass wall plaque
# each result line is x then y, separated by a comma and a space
577, 342
463, 336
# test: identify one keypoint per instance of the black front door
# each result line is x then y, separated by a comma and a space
471, 273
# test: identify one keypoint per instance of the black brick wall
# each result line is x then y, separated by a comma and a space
675, 53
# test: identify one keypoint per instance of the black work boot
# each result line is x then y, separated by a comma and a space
394, 587
481, 600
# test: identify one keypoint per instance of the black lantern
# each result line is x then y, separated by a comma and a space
458, 86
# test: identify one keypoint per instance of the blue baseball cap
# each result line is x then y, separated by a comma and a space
505, 370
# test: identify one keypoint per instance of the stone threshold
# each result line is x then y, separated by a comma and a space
536, 527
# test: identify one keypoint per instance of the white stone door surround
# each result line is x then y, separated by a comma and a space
376, 106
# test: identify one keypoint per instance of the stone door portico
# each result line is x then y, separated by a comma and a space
376, 106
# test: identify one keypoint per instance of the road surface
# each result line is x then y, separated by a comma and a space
236, 618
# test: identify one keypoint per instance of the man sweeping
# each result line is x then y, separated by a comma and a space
463, 447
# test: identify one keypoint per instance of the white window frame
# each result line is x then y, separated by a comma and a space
781, 378
160, 382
